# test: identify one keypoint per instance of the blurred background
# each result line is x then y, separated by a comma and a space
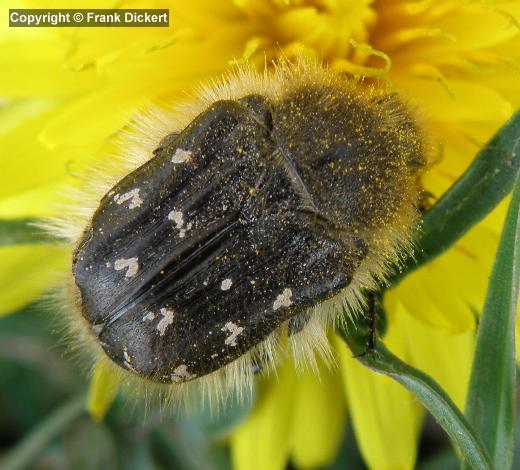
42, 417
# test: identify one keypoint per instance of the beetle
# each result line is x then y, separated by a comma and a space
275, 199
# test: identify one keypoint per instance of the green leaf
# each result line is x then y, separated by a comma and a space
21, 456
491, 398
477, 192
424, 389
22, 231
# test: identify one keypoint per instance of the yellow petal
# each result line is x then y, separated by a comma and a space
495, 220
318, 422
442, 284
94, 117
385, 416
462, 106
42, 201
449, 291
16, 112
458, 144
26, 164
415, 294
263, 440
444, 356
21, 58
103, 390
26, 272
493, 26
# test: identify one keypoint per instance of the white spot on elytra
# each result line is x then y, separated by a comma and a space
226, 284
128, 359
177, 217
182, 233
181, 156
149, 316
283, 300
130, 264
181, 374
235, 330
166, 320
132, 196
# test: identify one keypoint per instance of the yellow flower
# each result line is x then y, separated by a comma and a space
67, 92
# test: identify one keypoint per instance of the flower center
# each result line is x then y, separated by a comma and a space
325, 26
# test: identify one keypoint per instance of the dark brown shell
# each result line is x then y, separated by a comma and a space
245, 219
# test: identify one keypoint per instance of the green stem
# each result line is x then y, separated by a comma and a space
491, 398
424, 389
